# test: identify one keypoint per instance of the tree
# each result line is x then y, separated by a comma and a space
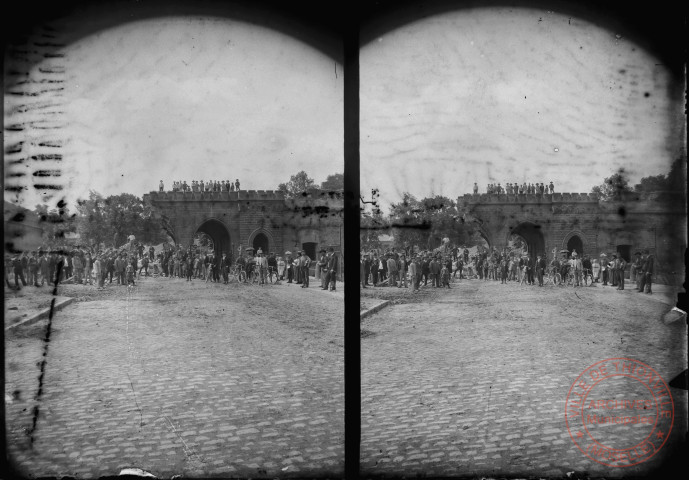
613, 187
299, 184
656, 183
334, 182
56, 222
92, 224
677, 178
111, 220
674, 181
409, 227
371, 226
427, 221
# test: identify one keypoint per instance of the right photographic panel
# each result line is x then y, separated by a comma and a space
523, 232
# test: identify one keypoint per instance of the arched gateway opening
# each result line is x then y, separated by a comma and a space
575, 243
532, 236
220, 236
261, 243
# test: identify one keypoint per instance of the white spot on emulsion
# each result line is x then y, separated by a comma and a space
556, 149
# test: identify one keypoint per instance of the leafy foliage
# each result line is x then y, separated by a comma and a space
111, 220
613, 187
674, 181
56, 222
371, 226
426, 222
617, 185
334, 182
299, 184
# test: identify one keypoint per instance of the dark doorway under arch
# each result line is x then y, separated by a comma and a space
533, 237
261, 242
310, 249
219, 235
575, 243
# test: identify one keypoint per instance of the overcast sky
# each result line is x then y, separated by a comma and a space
196, 98
510, 95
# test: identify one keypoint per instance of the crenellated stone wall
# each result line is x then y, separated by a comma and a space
654, 221
242, 215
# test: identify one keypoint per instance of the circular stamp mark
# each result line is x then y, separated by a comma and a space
619, 412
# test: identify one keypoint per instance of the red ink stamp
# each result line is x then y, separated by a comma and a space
619, 412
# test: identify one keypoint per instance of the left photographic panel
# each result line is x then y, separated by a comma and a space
174, 242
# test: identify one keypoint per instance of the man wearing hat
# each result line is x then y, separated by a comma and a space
262, 263
304, 265
577, 267
621, 265
540, 269
296, 263
100, 271
374, 269
647, 271
414, 273
224, 267
434, 272
635, 267
612, 267
587, 266
604, 268
321, 268
383, 267
331, 270
18, 272
402, 270
288, 266
367, 267
425, 268
392, 270
362, 270
273, 265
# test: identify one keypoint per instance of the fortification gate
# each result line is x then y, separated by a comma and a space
251, 218
580, 220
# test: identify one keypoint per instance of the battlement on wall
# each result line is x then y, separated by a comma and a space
241, 195
503, 198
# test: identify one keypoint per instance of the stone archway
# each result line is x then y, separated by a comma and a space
575, 240
532, 235
261, 238
220, 236
575, 243
260, 242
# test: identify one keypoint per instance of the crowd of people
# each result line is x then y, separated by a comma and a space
414, 270
201, 186
517, 189
193, 264
81, 265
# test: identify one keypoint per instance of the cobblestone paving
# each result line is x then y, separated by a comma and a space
190, 379
474, 382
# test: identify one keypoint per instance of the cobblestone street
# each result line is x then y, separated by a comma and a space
473, 380
195, 379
